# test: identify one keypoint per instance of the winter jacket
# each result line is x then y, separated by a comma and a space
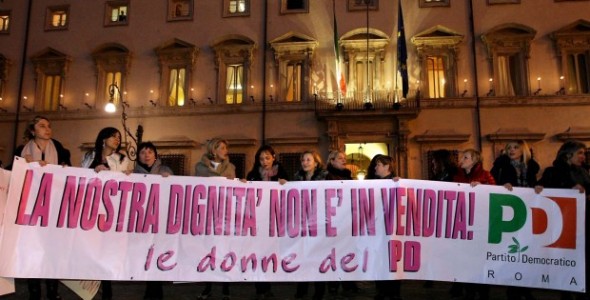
205, 168
255, 175
477, 174
337, 174
504, 172
157, 168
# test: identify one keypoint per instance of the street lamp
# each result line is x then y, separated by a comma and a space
110, 107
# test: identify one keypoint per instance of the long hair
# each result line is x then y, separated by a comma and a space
371, 167
526, 150
567, 150
262, 149
104, 134
29, 133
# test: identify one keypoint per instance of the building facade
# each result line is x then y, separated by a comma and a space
256, 72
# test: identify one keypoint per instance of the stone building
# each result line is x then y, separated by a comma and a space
252, 71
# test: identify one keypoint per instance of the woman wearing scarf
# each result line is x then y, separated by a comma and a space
266, 168
215, 162
42, 148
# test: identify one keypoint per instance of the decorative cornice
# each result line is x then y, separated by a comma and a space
442, 136
512, 134
575, 133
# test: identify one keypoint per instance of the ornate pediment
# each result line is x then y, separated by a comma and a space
177, 51
575, 36
437, 37
293, 43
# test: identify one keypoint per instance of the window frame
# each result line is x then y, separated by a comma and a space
353, 6
227, 14
109, 6
284, 10
173, 15
442, 3
8, 14
51, 12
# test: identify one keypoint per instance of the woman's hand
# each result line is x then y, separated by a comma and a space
580, 188
508, 186
243, 180
101, 168
474, 183
282, 181
396, 179
538, 189
165, 174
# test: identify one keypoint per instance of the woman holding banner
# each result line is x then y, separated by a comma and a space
384, 169
471, 171
569, 171
215, 162
311, 170
516, 168
150, 163
42, 148
336, 167
105, 156
266, 168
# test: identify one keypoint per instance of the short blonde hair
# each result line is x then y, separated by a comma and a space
475, 155
332, 156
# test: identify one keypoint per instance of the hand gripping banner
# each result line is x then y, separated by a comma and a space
73, 223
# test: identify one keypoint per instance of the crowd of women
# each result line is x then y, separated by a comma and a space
515, 167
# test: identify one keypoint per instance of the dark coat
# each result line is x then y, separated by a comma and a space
337, 174
318, 174
477, 174
504, 172
255, 175
564, 176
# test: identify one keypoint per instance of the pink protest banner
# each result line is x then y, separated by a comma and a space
78, 224
6, 284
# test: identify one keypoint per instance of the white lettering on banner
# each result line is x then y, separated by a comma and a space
145, 227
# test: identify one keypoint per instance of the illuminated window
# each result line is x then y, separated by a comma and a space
233, 59
50, 67
294, 6
4, 21
571, 43
178, 87
293, 79
235, 84
435, 70
116, 13
233, 8
509, 47
177, 60
57, 17
113, 78
437, 49
51, 92
578, 73
112, 64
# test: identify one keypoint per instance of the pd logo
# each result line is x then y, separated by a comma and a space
558, 215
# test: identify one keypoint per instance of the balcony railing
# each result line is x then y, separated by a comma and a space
380, 100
